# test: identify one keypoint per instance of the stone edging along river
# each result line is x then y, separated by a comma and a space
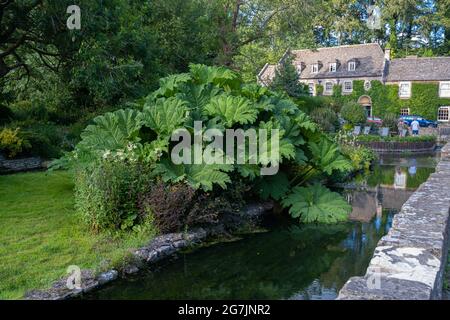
160, 248
409, 262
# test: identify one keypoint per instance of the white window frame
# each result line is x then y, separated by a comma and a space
402, 94
325, 87
445, 94
315, 68
312, 88
440, 119
344, 89
352, 66
367, 85
405, 111
333, 67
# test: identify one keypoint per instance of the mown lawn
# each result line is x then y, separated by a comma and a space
41, 235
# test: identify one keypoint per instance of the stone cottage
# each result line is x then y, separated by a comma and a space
342, 66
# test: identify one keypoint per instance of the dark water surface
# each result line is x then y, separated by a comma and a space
289, 261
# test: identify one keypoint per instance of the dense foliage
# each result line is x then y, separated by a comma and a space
353, 113
217, 97
424, 100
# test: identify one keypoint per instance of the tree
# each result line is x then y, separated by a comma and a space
287, 78
353, 113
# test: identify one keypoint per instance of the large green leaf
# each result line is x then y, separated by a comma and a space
316, 204
274, 187
202, 176
165, 116
219, 76
111, 131
170, 84
231, 110
328, 158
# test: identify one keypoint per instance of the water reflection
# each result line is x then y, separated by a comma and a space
291, 261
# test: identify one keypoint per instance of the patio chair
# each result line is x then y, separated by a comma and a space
357, 131
367, 130
384, 132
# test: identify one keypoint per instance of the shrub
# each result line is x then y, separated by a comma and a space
353, 113
107, 194
12, 143
326, 118
361, 157
46, 139
174, 208
390, 121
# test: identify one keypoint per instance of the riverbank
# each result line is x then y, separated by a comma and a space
410, 261
41, 235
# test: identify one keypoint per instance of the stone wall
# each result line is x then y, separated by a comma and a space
409, 262
20, 165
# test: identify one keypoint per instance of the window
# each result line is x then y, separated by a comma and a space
405, 90
315, 68
333, 67
352, 66
329, 87
299, 69
444, 114
348, 86
367, 85
404, 112
312, 89
444, 89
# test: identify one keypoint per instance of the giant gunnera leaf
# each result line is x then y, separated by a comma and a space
318, 204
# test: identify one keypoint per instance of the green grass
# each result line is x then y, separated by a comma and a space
41, 235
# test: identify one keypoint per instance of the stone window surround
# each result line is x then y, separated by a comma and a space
444, 110
405, 111
328, 91
312, 85
408, 93
315, 68
447, 93
344, 89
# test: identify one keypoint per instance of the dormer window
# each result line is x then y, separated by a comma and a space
299, 69
333, 67
352, 66
315, 68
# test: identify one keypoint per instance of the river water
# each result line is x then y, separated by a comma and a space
290, 261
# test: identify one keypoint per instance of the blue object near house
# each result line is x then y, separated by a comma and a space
424, 123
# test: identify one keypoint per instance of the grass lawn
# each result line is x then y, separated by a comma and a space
41, 235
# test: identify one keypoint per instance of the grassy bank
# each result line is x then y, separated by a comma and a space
41, 235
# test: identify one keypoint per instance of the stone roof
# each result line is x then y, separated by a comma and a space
419, 69
369, 60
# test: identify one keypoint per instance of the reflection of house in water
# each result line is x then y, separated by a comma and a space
400, 179
367, 204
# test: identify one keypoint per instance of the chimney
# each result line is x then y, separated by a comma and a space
387, 54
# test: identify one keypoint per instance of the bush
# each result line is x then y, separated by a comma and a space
326, 118
175, 208
107, 194
361, 157
46, 139
12, 143
390, 121
353, 113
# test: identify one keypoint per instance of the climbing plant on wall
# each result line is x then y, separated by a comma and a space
424, 101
